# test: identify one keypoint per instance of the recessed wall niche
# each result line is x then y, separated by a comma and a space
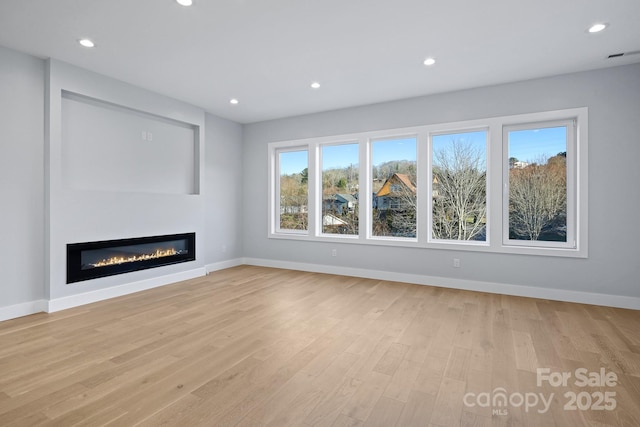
108, 147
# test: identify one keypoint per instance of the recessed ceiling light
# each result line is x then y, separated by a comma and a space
185, 2
429, 61
315, 85
234, 101
596, 28
86, 43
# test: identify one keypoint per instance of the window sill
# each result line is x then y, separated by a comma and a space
439, 245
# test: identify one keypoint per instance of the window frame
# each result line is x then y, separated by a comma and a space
487, 148
319, 213
390, 135
274, 185
571, 148
496, 162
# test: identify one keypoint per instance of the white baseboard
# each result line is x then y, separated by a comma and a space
31, 307
23, 309
619, 301
116, 291
223, 264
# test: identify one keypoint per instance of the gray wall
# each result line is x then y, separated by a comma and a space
21, 178
107, 148
223, 183
235, 184
614, 174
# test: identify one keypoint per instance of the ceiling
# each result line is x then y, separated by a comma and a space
266, 53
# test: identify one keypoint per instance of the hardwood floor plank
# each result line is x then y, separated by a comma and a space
256, 346
100, 387
524, 351
386, 413
10, 412
333, 402
447, 410
365, 365
391, 359
254, 396
458, 364
402, 381
417, 409
365, 398
430, 375
177, 413
345, 421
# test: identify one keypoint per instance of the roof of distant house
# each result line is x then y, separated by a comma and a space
396, 177
347, 198
329, 220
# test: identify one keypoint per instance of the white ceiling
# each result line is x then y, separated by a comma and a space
266, 53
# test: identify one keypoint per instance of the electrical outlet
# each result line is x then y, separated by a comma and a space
456, 262
334, 252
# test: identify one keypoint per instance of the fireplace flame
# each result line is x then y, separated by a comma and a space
116, 260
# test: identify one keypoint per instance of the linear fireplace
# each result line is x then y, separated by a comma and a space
91, 260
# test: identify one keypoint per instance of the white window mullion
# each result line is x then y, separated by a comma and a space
425, 190
571, 183
582, 179
495, 166
364, 190
274, 190
315, 193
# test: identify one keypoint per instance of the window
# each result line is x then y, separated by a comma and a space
459, 186
340, 174
293, 177
539, 182
512, 184
394, 187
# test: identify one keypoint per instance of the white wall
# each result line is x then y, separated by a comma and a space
614, 150
21, 182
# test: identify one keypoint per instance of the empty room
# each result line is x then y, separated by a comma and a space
335, 213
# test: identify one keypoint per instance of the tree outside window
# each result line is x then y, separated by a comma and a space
538, 184
294, 192
459, 186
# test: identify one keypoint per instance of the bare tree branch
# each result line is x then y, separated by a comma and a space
537, 197
460, 206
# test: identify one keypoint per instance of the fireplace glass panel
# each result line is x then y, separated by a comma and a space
98, 258
106, 258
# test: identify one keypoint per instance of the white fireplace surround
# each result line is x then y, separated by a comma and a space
120, 162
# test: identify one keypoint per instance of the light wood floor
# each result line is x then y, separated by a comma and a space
252, 346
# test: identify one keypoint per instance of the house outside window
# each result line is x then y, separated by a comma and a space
394, 180
340, 177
